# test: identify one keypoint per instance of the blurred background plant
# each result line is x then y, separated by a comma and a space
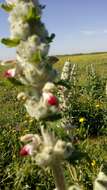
85, 105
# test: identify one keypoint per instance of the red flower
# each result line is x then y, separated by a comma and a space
53, 101
10, 73
26, 150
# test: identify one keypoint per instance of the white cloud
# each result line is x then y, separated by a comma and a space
105, 31
88, 32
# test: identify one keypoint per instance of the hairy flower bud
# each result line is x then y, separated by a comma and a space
53, 101
50, 99
10, 73
26, 150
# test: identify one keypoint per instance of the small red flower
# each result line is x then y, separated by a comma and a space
26, 150
10, 73
53, 101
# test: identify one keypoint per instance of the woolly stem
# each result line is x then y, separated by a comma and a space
58, 176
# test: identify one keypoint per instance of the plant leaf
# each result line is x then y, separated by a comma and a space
50, 38
42, 6
32, 15
15, 81
62, 83
10, 42
36, 57
7, 7
53, 59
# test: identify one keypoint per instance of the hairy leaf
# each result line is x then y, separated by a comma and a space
50, 38
10, 42
15, 81
32, 14
7, 7
36, 57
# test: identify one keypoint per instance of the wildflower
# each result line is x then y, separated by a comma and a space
10, 73
45, 149
22, 96
93, 163
26, 150
52, 101
97, 106
48, 97
31, 120
82, 119
66, 70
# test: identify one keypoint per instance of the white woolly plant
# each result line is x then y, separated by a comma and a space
47, 151
33, 66
67, 76
100, 182
65, 94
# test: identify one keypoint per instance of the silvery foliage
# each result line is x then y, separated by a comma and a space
67, 76
33, 66
66, 70
101, 181
46, 149
65, 94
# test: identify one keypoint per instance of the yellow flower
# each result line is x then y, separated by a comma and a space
93, 163
97, 105
31, 120
82, 119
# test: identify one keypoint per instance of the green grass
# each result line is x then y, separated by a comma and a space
17, 173
99, 61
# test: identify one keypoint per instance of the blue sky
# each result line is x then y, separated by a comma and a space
79, 25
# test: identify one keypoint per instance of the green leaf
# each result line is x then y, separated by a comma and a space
32, 15
53, 59
62, 83
15, 81
36, 57
10, 42
7, 7
42, 6
50, 38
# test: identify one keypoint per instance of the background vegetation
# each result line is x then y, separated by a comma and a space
89, 137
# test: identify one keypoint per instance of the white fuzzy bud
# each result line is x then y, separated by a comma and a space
22, 96
49, 87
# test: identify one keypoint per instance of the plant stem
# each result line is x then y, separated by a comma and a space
58, 176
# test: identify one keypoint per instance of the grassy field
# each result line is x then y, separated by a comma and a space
17, 173
98, 60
